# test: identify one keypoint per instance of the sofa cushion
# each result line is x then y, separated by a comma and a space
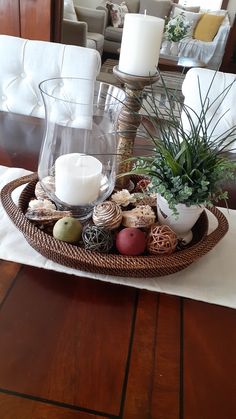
113, 34
160, 8
117, 13
98, 39
207, 27
191, 17
133, 5
221, 12
194, 9
90, 43
69, 10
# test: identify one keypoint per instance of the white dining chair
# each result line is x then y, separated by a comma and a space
203, 85
25, 63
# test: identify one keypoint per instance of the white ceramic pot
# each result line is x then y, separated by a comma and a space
181, 223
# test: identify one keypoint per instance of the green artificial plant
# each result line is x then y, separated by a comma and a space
185, 167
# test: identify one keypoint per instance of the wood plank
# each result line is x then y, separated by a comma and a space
139, 386
153, 382
13, 407
166, 385
36, 19
8, 271
56, 23
10, 17
66, 339
209, 361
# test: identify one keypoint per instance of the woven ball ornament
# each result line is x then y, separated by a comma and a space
108, 215
161, 240
97, 239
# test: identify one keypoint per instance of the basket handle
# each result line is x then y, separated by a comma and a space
213, 238
8, 204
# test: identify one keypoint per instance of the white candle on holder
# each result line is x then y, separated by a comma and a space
140, 45
77, 178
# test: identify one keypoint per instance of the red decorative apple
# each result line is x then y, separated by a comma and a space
131, 241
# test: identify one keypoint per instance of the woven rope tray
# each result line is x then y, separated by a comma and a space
109, 264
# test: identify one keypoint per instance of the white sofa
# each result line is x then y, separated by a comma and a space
210, 53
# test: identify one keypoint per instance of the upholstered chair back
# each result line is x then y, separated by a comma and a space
221, 115
25, 63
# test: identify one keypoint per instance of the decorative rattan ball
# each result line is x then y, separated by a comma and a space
107, 215
161, 240
97, 239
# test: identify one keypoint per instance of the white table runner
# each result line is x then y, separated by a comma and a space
211, 279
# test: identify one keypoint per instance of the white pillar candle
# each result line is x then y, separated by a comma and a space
140, 46
77, 178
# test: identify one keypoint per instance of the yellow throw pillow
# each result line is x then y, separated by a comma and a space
207, 27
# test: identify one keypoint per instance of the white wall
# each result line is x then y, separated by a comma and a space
209, 4
231, 10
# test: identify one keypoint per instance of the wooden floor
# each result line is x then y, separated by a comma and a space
76, 348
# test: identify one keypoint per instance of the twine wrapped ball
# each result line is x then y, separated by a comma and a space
107, 215
97, 239
161, 240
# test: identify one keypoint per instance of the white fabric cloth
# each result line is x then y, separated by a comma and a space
210, 279
210, 53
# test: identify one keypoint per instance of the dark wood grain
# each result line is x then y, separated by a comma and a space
31, 19
154, 377
56, 21
8, 271
229, 59
20, 140
13, 407
209, 361
36, 19
66, 339
10, 17
139, 386
167, 372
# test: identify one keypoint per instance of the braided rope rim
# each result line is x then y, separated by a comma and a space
112, 264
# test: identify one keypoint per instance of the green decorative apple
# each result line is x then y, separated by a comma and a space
67, 229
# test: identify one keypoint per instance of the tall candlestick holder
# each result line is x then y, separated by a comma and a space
129, 120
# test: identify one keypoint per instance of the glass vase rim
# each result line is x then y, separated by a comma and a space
95, 82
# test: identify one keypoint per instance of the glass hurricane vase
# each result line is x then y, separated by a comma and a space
77, 163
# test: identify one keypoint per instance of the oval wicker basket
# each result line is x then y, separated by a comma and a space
109, 264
